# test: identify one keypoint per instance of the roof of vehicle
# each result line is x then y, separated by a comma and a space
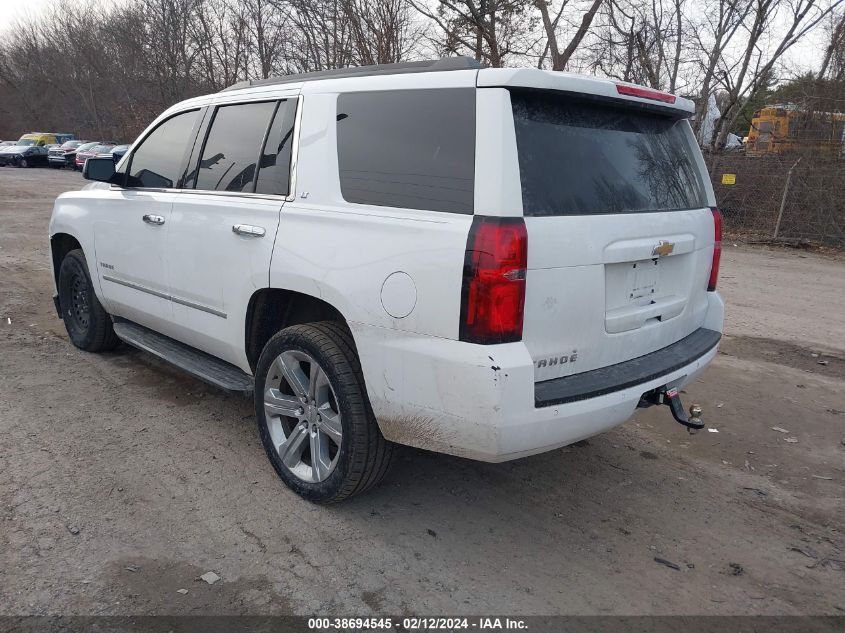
427, 66
451, 72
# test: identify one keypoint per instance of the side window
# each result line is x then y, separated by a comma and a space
408, 148
274, 169
158, 161
230, 153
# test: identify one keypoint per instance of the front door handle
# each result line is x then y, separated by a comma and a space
248, 230
153, 219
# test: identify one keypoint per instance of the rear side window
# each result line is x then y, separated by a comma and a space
158, 161
230, 154
274, 169
578, 157
408, 148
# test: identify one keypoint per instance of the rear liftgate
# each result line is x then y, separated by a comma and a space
671, 397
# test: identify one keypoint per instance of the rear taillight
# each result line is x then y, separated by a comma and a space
493, 292
717, 249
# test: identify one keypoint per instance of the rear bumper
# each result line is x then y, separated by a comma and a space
631, 373
480, 401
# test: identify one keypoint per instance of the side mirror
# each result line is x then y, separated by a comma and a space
100, 169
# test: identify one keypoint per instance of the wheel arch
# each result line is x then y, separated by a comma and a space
272, 309
60, 245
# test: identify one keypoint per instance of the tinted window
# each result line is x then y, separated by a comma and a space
232, 147
274, 170
158, 161
578, 157
408, 148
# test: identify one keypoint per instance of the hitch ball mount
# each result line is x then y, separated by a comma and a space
671, 397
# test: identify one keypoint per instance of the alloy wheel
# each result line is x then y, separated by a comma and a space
303, 416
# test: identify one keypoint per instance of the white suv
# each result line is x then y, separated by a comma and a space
484, 262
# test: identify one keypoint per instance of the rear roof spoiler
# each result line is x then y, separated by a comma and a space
533, 78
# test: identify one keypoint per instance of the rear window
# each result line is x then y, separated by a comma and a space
579, 157
230, 156
413, 149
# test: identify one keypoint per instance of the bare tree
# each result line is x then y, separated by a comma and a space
491, 31
643, 42
835, 52
219, 31
382, 30
744, 78
268, 27
105, 69
560, 58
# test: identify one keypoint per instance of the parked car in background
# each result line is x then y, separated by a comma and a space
23, 155
44, 138
7, 143
94, 149
64, 155
86, 146
37, 138
118, 151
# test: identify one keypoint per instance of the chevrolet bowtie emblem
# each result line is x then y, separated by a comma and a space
663, 248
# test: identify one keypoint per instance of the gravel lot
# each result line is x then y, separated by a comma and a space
122, 480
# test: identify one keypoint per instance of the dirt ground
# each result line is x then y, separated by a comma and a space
122, 480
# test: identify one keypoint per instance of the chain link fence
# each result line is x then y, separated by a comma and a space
788, 198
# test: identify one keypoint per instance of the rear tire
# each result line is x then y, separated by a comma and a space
305, 371
87, 323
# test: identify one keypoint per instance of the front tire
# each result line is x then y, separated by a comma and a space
23, 163
313, 414
87, 323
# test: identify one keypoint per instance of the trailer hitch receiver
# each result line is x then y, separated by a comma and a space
671, 397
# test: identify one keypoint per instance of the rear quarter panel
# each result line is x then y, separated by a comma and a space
344, 253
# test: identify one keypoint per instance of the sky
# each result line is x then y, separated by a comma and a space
11, 10
805, 55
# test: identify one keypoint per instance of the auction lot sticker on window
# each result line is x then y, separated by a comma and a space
728, 179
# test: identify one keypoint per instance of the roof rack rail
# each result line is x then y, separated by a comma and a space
428, 66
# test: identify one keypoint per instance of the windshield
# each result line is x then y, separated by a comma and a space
71, 144
26, 141
579, 157
85, 147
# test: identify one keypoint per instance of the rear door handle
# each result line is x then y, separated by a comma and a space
248, 230
153, 219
